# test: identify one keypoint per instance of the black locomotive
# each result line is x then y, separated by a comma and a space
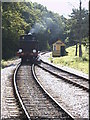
28, 48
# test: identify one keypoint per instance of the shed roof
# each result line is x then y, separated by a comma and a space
59, 42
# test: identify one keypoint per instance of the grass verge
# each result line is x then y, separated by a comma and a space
79, 63
6, 63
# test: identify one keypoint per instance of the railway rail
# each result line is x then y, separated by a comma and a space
35, 101
74, 99
71, 78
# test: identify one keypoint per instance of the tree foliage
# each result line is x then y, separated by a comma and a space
23, 17
13, 25
73, 27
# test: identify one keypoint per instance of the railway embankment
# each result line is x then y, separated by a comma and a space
74, 61
9, 107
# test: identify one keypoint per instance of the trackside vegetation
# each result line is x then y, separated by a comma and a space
7, 63
79, 63
20, 18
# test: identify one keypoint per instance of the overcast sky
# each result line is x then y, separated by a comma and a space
63, 7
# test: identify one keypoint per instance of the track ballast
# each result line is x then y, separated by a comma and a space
35, 102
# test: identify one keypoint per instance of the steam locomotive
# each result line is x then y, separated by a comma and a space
28, 48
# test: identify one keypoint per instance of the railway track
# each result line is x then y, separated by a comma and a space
35, 101
73, 98
68, 77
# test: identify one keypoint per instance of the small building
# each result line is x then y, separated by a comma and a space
58, 49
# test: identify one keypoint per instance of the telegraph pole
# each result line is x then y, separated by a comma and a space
80, 49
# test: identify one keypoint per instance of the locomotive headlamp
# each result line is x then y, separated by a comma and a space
20, 50
34, 51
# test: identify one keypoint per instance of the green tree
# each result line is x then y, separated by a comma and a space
12, 27
77, 27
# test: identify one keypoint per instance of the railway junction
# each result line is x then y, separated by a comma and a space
44, 95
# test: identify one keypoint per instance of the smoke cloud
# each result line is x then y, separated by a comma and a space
51, 24
38, 27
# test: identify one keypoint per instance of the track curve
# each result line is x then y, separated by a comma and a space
34, 101
74, 79
17, 93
